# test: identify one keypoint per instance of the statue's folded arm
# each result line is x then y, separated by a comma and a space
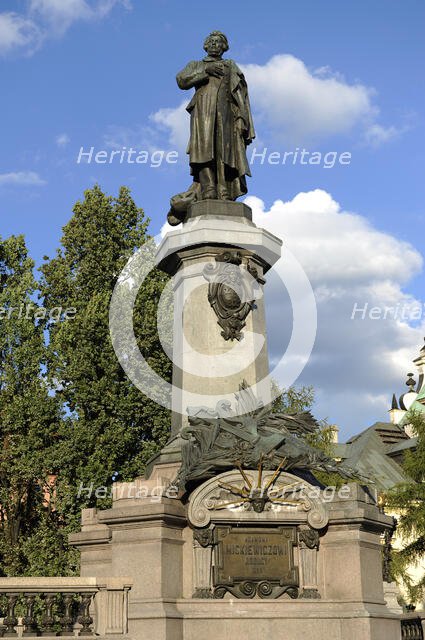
192, 75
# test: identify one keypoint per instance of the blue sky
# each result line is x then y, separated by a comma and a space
337, 76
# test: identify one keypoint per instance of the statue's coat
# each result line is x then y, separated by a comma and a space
214, 109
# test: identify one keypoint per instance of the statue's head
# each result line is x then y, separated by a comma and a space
216, 43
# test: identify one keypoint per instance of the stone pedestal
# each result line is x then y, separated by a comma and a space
164, 545
218, 244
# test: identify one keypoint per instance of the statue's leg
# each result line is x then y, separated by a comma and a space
207, 180
222, 191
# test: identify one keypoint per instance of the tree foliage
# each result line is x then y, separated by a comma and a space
296, 400
69, 416
112, 427
293, 399
408, 501
29, 419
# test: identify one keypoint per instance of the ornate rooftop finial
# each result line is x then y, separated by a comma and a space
410, 381
407, 399
394, 404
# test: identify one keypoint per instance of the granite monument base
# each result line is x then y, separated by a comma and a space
322, 580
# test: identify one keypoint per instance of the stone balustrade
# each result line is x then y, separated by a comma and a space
412, 625
73, 606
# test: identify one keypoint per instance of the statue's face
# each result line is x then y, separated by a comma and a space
215, 46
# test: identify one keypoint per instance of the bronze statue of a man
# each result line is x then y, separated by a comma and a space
220, 128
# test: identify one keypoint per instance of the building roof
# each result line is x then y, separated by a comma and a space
410, 443
377, 452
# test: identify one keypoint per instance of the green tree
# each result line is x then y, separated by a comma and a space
324, 439
293, 399
300, 399
110, 426
29, 420
408, 501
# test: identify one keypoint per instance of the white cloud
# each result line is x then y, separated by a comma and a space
375, 135
104, 7
67, 10
49, 18
18, 33
294, 105
21, 178
168, 131
61, 14
300, 105
357, 363
337, 246
176, 123
62, 140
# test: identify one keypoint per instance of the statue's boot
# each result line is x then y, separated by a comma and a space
207, 181
209, 194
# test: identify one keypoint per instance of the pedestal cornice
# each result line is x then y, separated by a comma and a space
218, 232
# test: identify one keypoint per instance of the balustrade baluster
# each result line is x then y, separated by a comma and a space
85, 618
67, 620
29, 621
412, 629
48, 621
11, 620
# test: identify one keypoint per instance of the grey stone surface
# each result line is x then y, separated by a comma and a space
391, 595
198, 341
70, 584
171, 454
152, 542
211, 368
211, 231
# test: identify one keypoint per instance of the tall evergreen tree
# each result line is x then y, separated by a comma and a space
29, 420
111, 426
407, 500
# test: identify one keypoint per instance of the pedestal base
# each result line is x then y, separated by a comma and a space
253, 620
159, 542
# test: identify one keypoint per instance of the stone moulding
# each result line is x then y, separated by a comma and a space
249, 589
205, 499
211, 232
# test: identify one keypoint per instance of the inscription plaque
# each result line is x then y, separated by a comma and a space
254, 561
